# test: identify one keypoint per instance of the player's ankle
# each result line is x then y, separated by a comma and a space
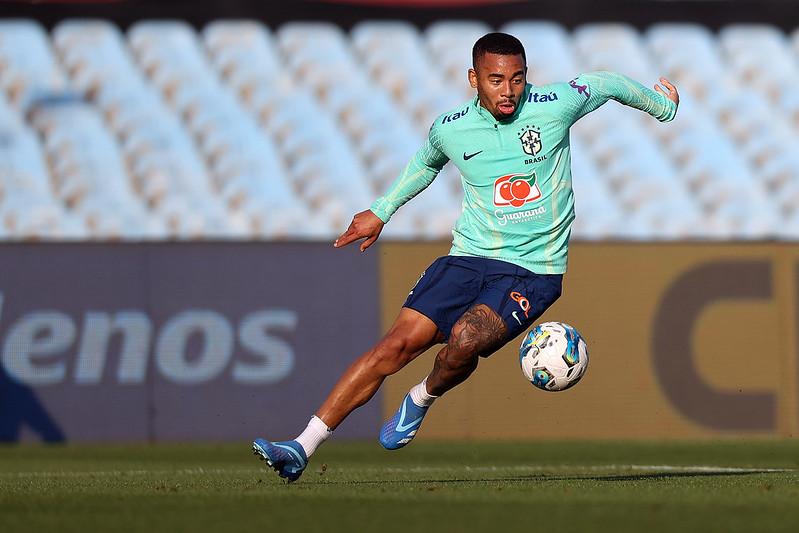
314, 435
420, 396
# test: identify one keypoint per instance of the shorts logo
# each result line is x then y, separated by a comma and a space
523, 302
531, 140
516, 190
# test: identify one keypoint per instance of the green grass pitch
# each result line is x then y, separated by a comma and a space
725, 486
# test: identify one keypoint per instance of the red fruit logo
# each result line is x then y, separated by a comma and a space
516, 190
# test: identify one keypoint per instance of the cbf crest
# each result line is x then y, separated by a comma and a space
531, 140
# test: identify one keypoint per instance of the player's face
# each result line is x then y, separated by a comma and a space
499, 80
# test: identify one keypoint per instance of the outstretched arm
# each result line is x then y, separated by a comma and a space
418, 174
592, 90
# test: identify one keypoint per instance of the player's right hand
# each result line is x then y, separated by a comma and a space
670, 92
364, 225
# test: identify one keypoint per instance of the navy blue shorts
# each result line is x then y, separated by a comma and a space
453, 284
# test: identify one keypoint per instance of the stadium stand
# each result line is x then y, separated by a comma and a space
238, 131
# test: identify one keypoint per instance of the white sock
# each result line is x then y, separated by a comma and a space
420, 396
315, 434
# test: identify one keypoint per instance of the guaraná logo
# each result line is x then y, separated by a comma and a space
516, 190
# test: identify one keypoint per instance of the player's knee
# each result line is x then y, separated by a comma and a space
462, 349
468, 345
391, 354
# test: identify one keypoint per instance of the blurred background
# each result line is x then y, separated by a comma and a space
172, 175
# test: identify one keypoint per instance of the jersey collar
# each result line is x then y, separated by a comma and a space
483, 112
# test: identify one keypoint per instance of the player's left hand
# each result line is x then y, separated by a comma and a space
672, 93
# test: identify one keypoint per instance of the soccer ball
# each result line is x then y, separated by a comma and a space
553, 356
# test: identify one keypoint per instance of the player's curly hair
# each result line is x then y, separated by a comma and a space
497, 43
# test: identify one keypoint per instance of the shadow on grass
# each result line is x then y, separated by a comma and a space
654, 476
662, 475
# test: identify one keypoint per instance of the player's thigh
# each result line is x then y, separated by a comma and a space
412, 333
520, 299
479, 332
409, 336
446, 290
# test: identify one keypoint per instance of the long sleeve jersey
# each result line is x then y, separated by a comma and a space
518, 203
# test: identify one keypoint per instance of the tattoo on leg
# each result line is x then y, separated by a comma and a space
481, 331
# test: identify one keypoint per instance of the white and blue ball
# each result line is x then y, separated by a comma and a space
553, 356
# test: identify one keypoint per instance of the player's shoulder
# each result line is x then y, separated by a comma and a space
451, 119
560, 95
546, 94
559, 90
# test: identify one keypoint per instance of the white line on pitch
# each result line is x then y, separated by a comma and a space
699, 468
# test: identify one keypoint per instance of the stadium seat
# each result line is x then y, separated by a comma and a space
28, 70
30, 217
450, 44
688, 53
85, 160
396, 58
242, 131
222, 129
615, 47
550, 54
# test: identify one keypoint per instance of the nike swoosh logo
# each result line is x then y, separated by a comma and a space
466, 156
517, 318
401, 426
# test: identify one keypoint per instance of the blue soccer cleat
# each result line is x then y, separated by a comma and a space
287, 458
400, 429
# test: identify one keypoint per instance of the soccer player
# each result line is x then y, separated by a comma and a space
509, 247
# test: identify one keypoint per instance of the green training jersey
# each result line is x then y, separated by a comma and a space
518, 204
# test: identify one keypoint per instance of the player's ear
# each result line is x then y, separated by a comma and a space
473, 78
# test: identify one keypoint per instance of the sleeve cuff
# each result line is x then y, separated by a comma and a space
671, 112
382, 214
